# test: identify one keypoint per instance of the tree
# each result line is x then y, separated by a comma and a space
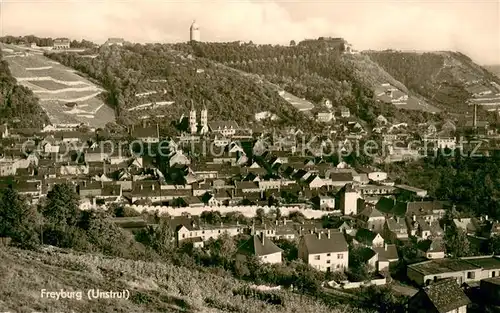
494, 245
292, 43
62, 207
160, 238
18, 220
456, 242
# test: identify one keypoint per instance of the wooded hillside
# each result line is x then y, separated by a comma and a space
18, 105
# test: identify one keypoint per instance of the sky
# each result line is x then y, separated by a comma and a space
468, 26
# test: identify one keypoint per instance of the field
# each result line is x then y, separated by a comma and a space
153, 287
48, 84
55, 84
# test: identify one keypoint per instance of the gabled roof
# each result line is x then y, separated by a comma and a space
315, 245
446, 295
259, 246
387, 252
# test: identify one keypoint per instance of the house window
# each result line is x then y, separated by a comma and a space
219, 231
470, 275
328, 254
317, 257
340, 256
202, 231
183, 236
493, 274
328, 261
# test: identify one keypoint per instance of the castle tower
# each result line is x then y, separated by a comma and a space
194, 32
193, 127
204, 120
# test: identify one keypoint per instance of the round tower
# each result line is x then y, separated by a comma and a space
194, 32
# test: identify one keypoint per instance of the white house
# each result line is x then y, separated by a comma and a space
325, 251
263, 248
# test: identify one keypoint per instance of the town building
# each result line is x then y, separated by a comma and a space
261, 247
61, 44
325, 251
445, 296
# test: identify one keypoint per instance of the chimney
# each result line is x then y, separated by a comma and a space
276, 222
142, 187
328, 234
262, 239
84, 183
221, 224
385, 246
414, 217
486, 217
319, 235
152, 187
144, 123
284, 222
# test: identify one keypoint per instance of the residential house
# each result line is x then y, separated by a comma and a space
428, 210
325, 117
224, 128
147, 134
261, 247
395, 229
344, 112
432, 248
115, 41
387, 254
444, 296
371, 218
373, 174
323, 202
464, 270
368, 238
325, 252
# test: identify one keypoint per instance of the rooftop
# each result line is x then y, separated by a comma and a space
440, 266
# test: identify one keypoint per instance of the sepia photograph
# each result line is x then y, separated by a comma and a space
249, 156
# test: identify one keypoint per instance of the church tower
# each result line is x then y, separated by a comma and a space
194, 32
193, 127
204, 121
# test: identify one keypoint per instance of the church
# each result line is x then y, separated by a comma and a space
193, 124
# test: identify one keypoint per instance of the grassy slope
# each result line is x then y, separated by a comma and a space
439, 77
153, 287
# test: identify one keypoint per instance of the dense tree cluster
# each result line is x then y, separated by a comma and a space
312, 70
469, 182
18, 105
178, 77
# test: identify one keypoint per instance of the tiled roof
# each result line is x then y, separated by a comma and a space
446, 295
388, 252
315, 245
259, 246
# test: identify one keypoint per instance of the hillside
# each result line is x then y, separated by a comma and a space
153, 287
314, 72
66, 97
18, 105
446, 79
156, 81
495, 69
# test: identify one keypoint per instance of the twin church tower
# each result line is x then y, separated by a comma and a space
193, 125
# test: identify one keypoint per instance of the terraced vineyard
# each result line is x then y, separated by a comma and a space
55, 85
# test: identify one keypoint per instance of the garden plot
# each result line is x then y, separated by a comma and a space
49, 84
